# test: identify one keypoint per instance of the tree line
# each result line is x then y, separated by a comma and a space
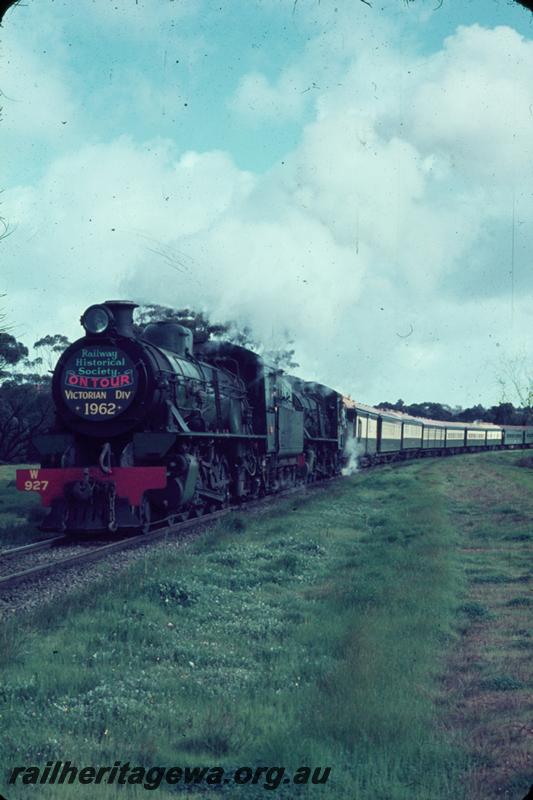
502, 414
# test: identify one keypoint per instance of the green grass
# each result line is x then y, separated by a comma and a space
491, 503
314, 634
20, 512
317, 633
501, 683
475, 611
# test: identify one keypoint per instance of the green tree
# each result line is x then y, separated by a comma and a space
505, 414
427, 410
399, 405
26, 406
203, 329
49, 348
473, 414
197, 321
11, 352
516, 383
25, 410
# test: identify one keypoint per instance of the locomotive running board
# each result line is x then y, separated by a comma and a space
217, 435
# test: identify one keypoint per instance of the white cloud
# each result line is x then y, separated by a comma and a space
97, 213
257, 99
475, 103
382, 244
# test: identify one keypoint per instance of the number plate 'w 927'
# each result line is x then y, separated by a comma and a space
130, 482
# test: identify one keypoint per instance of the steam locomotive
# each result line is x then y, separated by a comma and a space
153, 427
156, 427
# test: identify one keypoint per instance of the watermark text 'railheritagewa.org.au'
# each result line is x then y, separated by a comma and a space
65, 772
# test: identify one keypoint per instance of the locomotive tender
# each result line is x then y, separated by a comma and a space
156, 427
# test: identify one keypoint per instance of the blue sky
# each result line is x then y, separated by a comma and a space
193, 59
324, 171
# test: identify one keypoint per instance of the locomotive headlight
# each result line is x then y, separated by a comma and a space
96, 319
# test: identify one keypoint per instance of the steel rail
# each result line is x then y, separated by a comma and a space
139, 540
32, 547
101, 551
143, 539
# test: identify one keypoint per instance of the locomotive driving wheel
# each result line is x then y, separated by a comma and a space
145, 515
198, 506
219, 479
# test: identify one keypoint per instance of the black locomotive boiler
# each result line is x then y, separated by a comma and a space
153, 426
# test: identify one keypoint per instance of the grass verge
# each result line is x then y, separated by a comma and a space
310, 635
20, 512
490, 679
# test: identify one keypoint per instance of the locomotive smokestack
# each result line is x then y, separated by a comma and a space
122, 311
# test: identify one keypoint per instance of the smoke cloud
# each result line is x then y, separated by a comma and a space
391, 243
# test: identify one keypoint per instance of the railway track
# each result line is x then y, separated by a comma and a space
33, 547
16, 571
14, 568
